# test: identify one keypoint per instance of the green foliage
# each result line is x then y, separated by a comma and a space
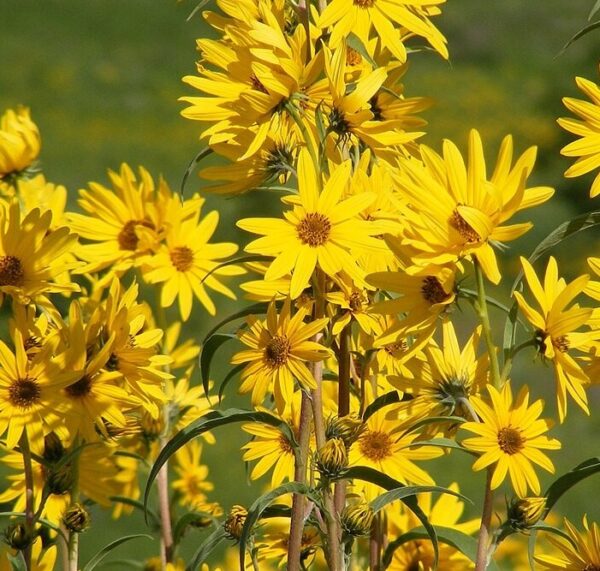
96, 559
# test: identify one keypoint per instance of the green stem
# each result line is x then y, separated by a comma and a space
293, 113
29, 497
484, 529
511, 356
343, 402
74, 537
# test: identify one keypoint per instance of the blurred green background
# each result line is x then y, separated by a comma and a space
102, 79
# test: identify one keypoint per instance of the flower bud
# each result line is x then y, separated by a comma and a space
152, 428
348, 428
525, 512
53, 448
235, 522
60, 480
357, 519
332, 458
17, 536
19, 142
76, 518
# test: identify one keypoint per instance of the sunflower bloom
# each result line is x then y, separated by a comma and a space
510, 435
19, 142
320, 231
279, 350
556, 330
581, 553
587, 128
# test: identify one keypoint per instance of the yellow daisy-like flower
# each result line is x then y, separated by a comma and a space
456, 211
587, 127
359, 16
279, 350
19, 142
556, 327
320, 231
581, 552
31, 256
510, 435
183, 265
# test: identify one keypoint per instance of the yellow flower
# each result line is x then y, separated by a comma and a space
556, 329
581, 552
279, 349
510, 436
359, 16
456, 211
320, 231
183, 265
19, 142
587, 128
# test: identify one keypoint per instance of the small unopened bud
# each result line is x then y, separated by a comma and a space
332, 458
17, 536
348, 428
152, 428
76, 518
235, 522
525, 512
60, 481
53, 448
357, 519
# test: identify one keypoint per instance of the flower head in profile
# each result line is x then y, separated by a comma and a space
556, 329
511, 437
587, 128
580, 552
19, 142
279, 349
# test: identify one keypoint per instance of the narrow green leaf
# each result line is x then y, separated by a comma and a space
387, 399
441, 443
201, 155
434, 420
554, 530
209, 421
241, 260
93, 562
405, 491
260, 504
565, 482
138, 505
207, 353
510, 331
354, 42
205, 549
189, 519
533, 537
255, 309
583, 32
594, 10
387, 483
235, 371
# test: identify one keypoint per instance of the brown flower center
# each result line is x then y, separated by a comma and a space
80, 388
591, 567
353, 57
463, 228
561, 343
11, 271
397, 347
285, 446
355, 301
364, 3
314, 229
277, 351
375, 445
24, 393
510, 440
128, 238
432, 290
182, 258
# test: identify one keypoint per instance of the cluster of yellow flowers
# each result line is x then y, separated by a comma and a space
354, 365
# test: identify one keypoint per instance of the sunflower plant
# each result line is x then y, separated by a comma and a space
368, 354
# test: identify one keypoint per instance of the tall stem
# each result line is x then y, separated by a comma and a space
74, 537
343, 402
29, 497
488, 500
298, 502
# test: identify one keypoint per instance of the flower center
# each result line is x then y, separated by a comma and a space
353, 57
376, 445
355, 301
510, 440
463, 228
364, 3
182, 258
432, 290
338, 122
128, 238
561, 343
591, 567
24, 393
277, 351
80, 388
11, 271
314, 229
285, 446
395, 348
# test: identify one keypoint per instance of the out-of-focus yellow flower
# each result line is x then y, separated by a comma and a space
19, 142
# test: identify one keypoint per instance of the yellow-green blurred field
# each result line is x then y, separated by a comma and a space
102, 79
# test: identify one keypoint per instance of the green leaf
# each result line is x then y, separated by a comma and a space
205, 549
594, 10
17, 562
137, 504
510, 330
255, 309
434, 420
441, 443
386, 482
207, 353
457, 539
405, 491
235, 371
209, 421
533, 535
354, 42
204, 152
387, 399
564, 231
240, 260
93, 562
584, 31
189, 519
260, 504
563, 484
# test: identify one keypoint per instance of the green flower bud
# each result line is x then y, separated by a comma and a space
17, 536
332, 459
525, 512
348, 428
76, 518
60, 480
357, 519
